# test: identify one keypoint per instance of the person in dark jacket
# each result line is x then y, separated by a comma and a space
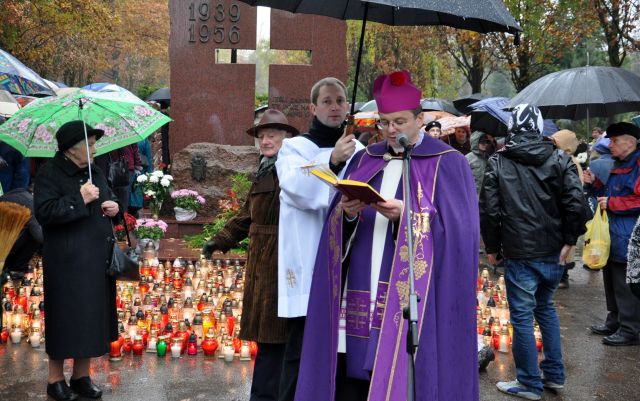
28, 243
14, 168
532, 207
30, 239
482, 147
80, 299
459, 140
620, 197
131, 155
259, 220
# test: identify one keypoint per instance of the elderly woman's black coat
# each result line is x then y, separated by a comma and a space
80, 308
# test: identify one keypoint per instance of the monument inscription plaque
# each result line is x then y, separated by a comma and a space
214, 102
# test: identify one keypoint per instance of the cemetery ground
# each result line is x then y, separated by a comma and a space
594, 371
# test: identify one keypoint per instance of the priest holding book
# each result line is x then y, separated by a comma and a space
354, 344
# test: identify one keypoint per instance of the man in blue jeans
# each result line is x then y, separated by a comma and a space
533, 210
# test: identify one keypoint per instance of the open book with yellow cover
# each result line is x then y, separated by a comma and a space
350, 188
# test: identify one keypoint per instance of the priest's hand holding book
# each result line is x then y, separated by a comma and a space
391, 209
351, 207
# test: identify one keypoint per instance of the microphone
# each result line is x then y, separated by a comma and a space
403, 140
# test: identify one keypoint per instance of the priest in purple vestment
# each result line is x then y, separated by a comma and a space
354, 345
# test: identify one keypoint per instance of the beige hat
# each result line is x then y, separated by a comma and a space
566, 140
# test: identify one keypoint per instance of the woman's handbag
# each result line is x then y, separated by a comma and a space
123, 266
597, 241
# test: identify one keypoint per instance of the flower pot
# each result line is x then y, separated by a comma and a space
184, 214
142, 244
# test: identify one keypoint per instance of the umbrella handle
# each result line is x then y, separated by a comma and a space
86, 140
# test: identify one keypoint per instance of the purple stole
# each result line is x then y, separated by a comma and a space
381, 349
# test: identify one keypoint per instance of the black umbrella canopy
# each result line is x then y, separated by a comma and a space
583, 92
161, 95
477, 15
463, 104
435, 104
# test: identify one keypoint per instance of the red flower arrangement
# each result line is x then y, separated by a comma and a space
118, 229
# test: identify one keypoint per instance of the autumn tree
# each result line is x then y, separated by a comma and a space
413, 48
471, 52
78, 42
550, 29
60, 39
619, 21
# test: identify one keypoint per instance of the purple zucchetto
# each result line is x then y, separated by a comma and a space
395, 92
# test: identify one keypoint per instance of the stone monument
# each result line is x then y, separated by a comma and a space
214, 102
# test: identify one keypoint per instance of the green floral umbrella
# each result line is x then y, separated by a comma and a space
125, 120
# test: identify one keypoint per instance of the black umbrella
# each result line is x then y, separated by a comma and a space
463, 104
480, 15
162, 95
583, 92
435, 104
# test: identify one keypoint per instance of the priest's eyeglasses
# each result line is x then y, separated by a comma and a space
397, 124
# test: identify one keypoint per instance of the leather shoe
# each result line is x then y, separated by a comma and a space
602, 329
59, 391
619, 339
85, 387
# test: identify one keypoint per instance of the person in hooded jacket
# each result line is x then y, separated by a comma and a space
482, 147
533, 209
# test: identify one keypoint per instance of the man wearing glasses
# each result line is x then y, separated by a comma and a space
354, 346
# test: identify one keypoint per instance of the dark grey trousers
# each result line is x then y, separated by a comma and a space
623, 306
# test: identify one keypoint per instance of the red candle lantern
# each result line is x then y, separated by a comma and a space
128, 345
253, 348
115, 353
237, 344
138, 346
230, 323
210, 344
192, 348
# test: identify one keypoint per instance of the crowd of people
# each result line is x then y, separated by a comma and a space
327, 275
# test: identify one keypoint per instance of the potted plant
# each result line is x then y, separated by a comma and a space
150, 230
155, 188
187, 202
120, 233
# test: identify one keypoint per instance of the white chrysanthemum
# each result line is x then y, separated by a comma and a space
168, 177
164, 182
141, 178
150, 193
154, 179
582, 157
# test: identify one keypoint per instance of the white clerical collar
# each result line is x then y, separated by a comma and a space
418, 142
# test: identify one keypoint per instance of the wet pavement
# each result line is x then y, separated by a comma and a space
594, 371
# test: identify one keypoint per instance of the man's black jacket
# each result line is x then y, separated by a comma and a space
531, 202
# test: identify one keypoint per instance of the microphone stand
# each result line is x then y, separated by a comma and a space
410, 312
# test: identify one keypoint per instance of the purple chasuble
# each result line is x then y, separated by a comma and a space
446, 229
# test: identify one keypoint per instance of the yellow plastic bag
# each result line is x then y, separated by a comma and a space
597, 241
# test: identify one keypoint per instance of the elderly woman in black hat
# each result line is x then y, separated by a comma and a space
80, 300
259, 220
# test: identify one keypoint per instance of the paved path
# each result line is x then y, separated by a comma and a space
594, 371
